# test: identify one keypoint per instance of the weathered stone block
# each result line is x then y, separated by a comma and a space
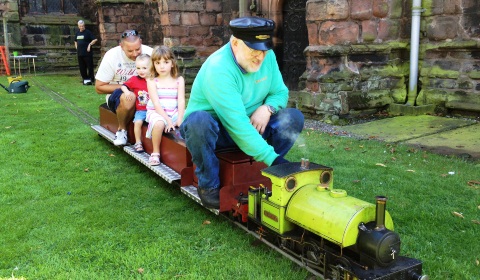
396, 9
389, 29
176, 31
465, 84
189, 18
441, 83
194, 5
207, 19
312, 86
340, 85
434, 7
362, 9
108, 11
438, 72
213, 6
312, 33
474, 75
304, 99
192, 41
122, 26
432, 96
199, 31
442, 27
213, 41
463, 100
372, 99
338, 9
316, 10
380, 8
333, 33
399, 95
448, 64
369, 30
320, 10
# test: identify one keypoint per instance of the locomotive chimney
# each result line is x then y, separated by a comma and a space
381, 202
305, 163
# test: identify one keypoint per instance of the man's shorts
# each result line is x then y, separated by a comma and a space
114, 100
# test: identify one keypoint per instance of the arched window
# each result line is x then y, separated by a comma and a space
52, 6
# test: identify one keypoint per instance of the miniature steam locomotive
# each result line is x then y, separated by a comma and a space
291, 207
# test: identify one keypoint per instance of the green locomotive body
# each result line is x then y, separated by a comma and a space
340, 236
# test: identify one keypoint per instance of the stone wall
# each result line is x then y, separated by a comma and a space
359, 52
114, 17
450, 61
48, 36
357, 58
194, 29
201, 24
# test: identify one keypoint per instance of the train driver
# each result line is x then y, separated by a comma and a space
239, 99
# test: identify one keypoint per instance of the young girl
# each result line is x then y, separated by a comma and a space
136, 87
166, 106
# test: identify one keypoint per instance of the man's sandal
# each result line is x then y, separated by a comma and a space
154, 159
138, 147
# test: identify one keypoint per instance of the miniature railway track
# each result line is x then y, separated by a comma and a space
78, 112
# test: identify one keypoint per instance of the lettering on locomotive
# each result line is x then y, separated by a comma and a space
270, 215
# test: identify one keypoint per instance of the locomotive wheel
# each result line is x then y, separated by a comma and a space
312, 253
337, 268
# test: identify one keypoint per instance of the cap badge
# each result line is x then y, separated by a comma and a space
262, 37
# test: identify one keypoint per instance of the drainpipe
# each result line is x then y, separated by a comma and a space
415, 37
243, 8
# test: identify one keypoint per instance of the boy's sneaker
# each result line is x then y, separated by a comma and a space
120, 138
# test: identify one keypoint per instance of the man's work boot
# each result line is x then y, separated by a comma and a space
210, 197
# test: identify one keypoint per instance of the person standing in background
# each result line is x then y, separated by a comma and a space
84, 40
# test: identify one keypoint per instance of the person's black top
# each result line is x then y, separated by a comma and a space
83, 39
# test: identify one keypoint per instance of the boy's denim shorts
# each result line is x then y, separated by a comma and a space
140, 115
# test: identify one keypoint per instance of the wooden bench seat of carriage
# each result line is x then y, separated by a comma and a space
174, 152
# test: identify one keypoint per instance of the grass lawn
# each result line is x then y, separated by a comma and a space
73, 206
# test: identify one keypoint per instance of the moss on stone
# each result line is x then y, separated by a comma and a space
399, 95
436, 71
51, 20
339, 50
427, 5
195, 63
464, 44
474, 75
385, 71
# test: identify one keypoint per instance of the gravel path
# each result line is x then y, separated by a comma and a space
325, 127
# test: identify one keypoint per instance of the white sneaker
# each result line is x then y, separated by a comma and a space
120, 138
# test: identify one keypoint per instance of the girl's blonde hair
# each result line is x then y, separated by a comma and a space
166, 53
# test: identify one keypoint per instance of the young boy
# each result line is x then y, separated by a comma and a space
136, 87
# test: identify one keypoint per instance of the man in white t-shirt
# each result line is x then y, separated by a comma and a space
117, 66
